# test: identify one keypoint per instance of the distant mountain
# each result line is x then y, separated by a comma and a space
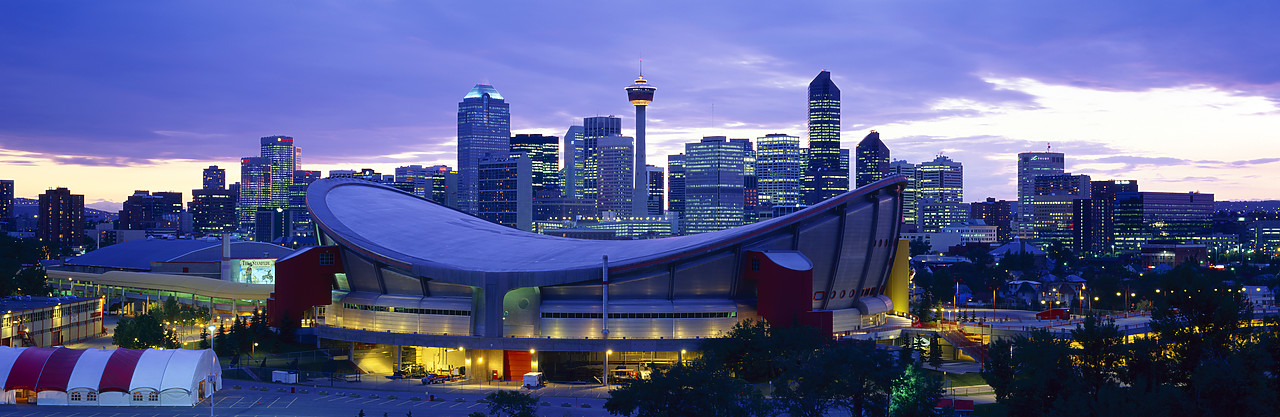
1270, 206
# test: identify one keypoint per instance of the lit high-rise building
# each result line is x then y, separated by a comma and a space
714, 188
779, 170
255, 190
484, 131
505, 191
283, 156
214, 178
60, 221
574, 162
615, 181
1030, 166
544, 154
910, 193
1143, 216
676, 184
750, 182
1095, 218
594, 128
872, 160
826, 179
300, 220
941, 193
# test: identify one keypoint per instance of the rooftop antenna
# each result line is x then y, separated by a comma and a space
642, 67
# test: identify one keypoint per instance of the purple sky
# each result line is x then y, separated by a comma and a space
107, 97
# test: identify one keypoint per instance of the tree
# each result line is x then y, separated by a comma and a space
935, 352
1100, 353
855, 376
693, 389
204, 338
509, 403
1038, 372
915, 393
752, 349
918, 247
143, 331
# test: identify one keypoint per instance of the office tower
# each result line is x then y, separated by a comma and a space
255, 190
594, 128
544, 154
436, 183
994, 213
676, 185
1054, 206
213, 212
872, 160
6, 206
571, 181
656, 178
614, 185
484, 131
640, 94
214, 178
1095, 217
941, 190
1062, 184
778, 170
159, 211
1031, 165
505, 191
750, 182
300, 219
714, 184
825, 177
1144, 216
61, 218
283, 156
910, 193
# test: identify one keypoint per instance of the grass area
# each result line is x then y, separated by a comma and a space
962, 380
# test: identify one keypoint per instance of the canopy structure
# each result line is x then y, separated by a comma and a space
86, 376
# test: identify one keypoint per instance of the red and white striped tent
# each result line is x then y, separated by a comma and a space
113, 377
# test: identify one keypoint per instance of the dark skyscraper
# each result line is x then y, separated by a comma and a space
994, 213
571, 180
544, 153
872, 160
6, 206
484, 131
151, 211
656, 178
61, 218
824, 174
214, 178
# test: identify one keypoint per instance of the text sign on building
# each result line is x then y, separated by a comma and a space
255, 271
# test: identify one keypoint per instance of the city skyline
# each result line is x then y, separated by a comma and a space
126, 97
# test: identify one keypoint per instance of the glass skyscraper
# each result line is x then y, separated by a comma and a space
778, 169
1031, 165
574, 164
714, 185
544, 154
872, 160
676, 185
615, 188
255, 190
941, 191
283, 156
484, 131
826, 177
594, 128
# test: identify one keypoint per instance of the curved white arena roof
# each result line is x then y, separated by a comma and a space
430, 239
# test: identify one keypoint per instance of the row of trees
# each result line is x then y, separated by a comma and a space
810, 376
1202, 358
143, 331
20, 273
250, 335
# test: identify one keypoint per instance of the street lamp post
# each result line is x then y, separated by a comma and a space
212, 368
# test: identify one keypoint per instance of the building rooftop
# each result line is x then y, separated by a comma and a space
139, 254
26, 302
479, 91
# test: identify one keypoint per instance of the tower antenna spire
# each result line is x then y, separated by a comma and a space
641, 67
